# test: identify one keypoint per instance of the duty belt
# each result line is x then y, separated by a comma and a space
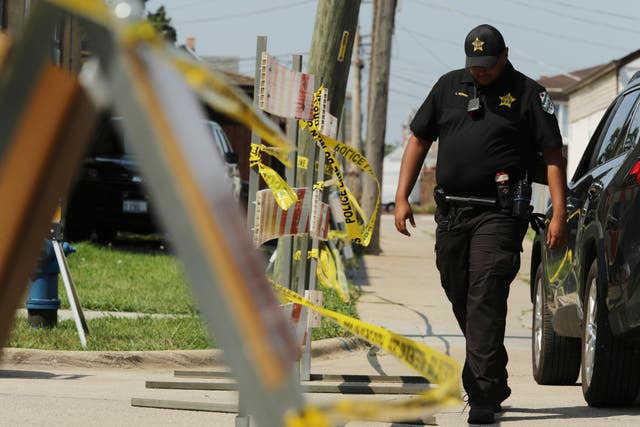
445, 200
470, 201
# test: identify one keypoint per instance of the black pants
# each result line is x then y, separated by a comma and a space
478, 255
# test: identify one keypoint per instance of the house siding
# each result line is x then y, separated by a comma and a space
592, 98
581, 132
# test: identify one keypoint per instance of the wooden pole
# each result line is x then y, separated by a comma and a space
330, 60
352, 175
331, 47
377, 106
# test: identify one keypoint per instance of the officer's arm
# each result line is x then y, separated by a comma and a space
412, 160
557, 234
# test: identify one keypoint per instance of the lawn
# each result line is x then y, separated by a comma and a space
142, 279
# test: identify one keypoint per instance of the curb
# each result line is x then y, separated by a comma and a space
333, 346
160, 359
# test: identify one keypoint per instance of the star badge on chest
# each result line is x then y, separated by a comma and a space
507, 100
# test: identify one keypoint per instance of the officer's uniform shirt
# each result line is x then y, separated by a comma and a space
515, 121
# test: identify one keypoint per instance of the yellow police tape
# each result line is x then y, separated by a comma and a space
222, 96
284, 195
96, 11
225, 98
330, 272
439, 369
355, 232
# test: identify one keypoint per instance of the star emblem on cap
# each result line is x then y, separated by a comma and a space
507, 100
478, 45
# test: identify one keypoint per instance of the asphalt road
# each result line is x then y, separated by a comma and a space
401, 292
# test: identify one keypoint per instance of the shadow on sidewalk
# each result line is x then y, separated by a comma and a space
427, 326
357, 273
37, 375
568, 412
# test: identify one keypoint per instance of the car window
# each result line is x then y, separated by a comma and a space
107, 142
223, 141
219, 137
612, 137
631, 139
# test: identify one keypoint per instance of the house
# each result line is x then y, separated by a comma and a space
582, 96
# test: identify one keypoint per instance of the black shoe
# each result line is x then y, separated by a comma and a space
497, 408
481, 415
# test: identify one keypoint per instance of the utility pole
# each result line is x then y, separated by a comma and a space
334, 34
383, 23
330, 59
352, 175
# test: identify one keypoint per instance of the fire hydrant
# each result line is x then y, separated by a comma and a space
43, 302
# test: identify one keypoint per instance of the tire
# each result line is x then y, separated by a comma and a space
105, 234
75, 230
555, 359
610, 368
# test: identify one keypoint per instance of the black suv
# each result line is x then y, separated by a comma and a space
109, 195
586, 296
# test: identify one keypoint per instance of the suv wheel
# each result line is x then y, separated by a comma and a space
610, 370
76, 230
105, 234
555, 359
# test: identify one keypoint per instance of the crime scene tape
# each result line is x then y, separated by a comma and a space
354, 230
437, 368
282, 192
96, 11
330, 273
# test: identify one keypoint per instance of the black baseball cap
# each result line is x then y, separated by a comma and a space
483, 46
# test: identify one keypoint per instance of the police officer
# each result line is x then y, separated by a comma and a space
490, 121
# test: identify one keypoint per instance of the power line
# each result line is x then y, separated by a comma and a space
580, 6
574, 18
406, 79
407, 94
593, 42
436, 57
189, 4
244, 14
418, 69
517, 52
543, 64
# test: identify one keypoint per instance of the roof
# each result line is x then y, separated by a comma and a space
241, 80
561, 85
237, 78
561, 81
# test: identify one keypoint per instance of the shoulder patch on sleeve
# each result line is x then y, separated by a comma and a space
547, 103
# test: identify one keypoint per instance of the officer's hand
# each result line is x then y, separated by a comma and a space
402, 214
557, 233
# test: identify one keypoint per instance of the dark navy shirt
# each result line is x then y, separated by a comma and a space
515, 122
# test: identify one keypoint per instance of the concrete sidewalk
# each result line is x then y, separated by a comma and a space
401, 292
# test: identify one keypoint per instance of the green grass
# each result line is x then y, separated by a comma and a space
110, 279
328, 328
113, 279
113, 334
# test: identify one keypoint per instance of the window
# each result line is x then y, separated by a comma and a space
562, 114
612, 137
631, 139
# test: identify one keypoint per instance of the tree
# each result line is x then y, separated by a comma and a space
162, 23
